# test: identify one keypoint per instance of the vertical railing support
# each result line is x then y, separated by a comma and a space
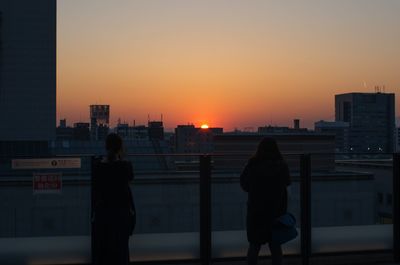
92, 203
305, 204
205, 209
396, 207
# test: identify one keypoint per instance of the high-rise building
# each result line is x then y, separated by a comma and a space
371, 117
99, 121
27, 70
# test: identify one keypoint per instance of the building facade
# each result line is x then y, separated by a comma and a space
371, 117
27, 70
99, 121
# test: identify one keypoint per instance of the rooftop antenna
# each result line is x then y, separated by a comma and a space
161, 117
148, 117
383, 88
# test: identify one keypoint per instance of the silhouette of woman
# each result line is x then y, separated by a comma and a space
265, 179
113, 205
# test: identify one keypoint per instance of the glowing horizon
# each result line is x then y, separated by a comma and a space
230, 64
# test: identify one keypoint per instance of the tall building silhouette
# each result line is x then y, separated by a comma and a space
27, 70
99, 121
371, 117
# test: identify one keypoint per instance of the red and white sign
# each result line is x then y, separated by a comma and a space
47, 183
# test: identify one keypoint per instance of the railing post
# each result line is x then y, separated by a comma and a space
305, 207
92, 203
205, 209
396, 207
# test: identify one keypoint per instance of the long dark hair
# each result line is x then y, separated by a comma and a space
268, 150
114, 147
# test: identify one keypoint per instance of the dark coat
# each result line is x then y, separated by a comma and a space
266, 182
113, 200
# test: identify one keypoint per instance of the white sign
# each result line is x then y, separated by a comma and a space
46, 163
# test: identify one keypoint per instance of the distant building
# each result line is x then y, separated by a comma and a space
282, 129
156, 130
339, 129
241, 147
99, 121
190, 139
63, 132
132, 132
371, 117
81, 131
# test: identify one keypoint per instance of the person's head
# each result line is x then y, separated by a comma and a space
268, 150
114, 146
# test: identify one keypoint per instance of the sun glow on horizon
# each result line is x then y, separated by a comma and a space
204, 126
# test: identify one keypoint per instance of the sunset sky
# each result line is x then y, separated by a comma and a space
228, 63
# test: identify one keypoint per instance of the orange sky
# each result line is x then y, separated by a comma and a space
231, 64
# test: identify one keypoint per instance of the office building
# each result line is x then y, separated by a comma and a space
27, 71
371, 117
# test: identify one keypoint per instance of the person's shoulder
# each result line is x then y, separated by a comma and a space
97, 161
253, 160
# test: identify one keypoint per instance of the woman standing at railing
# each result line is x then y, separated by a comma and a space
265, 178
114, 212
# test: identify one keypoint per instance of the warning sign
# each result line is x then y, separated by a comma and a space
47, 183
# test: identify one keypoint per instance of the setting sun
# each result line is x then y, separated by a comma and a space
204, 126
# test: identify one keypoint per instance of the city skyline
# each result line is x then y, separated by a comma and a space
227, 63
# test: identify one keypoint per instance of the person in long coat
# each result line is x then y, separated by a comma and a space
265, 178
113, 205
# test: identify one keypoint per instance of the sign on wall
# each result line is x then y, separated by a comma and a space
44, 183
46, 163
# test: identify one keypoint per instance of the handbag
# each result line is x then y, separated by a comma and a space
284, 229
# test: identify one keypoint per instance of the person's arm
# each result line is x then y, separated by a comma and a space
286, 175
245, 178
288, 180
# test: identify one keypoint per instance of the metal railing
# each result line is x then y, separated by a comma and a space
206, 168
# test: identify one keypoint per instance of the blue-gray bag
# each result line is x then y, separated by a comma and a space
284, 229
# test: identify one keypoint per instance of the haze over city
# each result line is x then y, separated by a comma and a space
230, 64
